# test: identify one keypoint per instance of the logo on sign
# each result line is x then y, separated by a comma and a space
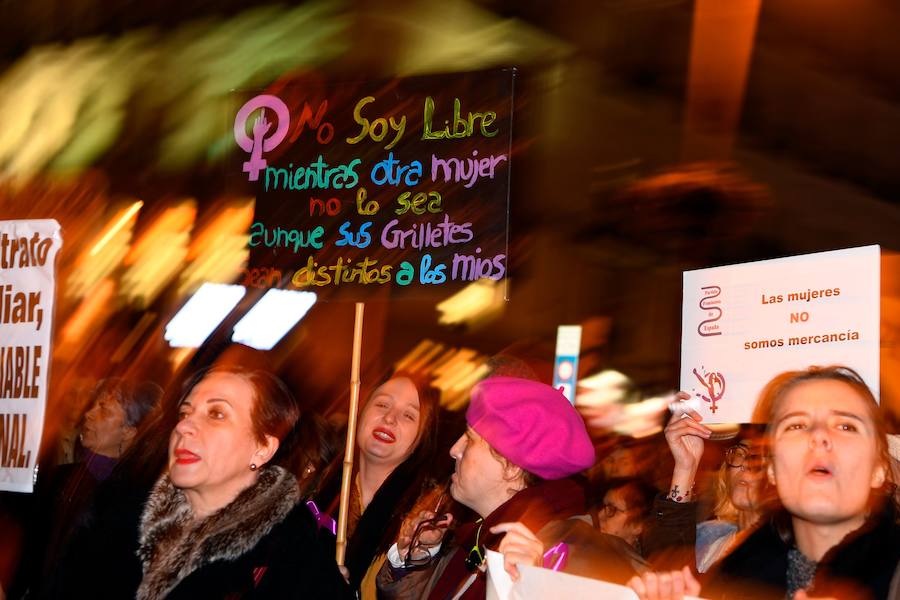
712, 309
259, 143
713, 387
565, 370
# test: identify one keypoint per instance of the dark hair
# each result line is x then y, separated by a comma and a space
275, 411
528, 478
638, 496
278, 415
380, 523
314, 446
429, 401
136, 400
145, 398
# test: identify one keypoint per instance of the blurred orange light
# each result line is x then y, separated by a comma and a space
158, 255
219, 252
106, 254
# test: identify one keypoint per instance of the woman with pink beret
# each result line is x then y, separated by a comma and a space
514, 466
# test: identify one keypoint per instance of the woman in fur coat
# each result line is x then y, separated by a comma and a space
225, 520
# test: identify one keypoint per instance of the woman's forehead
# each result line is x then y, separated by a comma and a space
225, 385
401, 390
822, 396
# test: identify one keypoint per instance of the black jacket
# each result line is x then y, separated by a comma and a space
859, 568
262, 545
283, 564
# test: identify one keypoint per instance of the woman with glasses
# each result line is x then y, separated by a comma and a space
835, 534
624, 511
738, 488
738, 485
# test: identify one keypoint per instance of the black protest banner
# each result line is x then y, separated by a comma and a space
361, 185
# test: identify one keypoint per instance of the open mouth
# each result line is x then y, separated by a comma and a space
384, 435
819, 471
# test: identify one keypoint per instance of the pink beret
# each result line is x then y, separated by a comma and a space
532, 425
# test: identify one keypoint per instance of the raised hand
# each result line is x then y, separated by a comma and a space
519, 547
686, 438
261, 126
430, 529
685, 435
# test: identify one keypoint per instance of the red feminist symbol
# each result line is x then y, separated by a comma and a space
714, 383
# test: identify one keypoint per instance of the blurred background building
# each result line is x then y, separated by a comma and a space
651, 136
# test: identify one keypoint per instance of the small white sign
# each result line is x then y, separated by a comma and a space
565, 367
743, 324
27, 292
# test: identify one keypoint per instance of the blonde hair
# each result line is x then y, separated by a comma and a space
724, 509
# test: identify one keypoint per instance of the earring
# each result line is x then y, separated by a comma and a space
252, 466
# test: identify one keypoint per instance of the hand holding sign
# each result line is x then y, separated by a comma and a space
685, 436
671, 585
519, 547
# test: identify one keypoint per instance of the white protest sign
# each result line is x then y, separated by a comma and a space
27, 292
743, 324
536, 583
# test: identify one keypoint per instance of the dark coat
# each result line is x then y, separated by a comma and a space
545, 509
284, 562
100, 561
669, 539
63, 504
370, 532
262, 545
858, 568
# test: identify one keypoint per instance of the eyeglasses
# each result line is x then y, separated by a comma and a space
418, 553
476, 554
610, 510
740, 457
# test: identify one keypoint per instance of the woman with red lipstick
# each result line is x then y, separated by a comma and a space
836, 532
226, 519
396, 439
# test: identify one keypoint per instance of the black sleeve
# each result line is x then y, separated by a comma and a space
297, 564
668, 542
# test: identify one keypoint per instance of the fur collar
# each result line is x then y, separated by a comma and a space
173, 545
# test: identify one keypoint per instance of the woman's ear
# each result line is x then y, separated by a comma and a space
265, 452
513, 473
770, 473
878, 476
128, 434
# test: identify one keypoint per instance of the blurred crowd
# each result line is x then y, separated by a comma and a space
224, 487
652, 137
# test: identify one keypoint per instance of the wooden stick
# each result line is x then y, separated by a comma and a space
346, 482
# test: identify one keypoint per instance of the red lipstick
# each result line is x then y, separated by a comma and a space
185, 457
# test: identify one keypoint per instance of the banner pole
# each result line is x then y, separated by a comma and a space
341, 548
